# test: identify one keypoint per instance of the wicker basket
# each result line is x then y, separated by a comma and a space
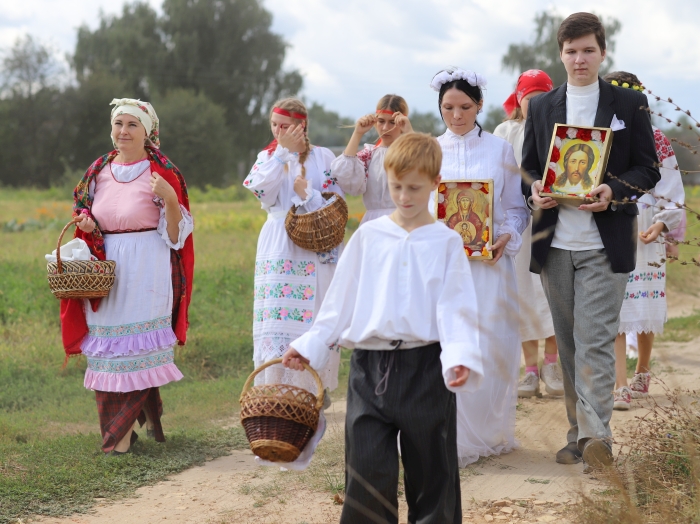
319, 230
279, 419
79, 278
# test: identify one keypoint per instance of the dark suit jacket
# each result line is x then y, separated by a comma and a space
632, 159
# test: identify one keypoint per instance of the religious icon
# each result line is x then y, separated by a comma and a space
577, 160
466, 206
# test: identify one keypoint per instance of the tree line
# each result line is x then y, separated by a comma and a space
211, 68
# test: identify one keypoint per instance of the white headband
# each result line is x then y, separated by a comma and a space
450, 75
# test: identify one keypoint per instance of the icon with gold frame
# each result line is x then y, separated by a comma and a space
578, 157
466, 206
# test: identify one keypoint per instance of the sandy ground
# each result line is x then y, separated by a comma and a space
523, 486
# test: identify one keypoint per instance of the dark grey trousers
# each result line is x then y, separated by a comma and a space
585, 297
416, 403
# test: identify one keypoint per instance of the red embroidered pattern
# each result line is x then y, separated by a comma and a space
365, 156
663, 146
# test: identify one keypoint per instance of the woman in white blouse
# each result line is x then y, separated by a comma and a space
363, 173
290, 282
486, 418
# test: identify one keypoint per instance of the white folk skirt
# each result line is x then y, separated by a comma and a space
644, 306
535, 317
130, 339
290, 283
486, 417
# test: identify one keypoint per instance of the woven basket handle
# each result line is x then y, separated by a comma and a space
319, 399
60, 239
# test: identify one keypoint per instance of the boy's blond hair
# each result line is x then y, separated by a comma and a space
418, 151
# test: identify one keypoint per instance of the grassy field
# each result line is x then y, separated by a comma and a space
50, 459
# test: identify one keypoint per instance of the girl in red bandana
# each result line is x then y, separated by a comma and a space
362, 173
535, 317
290, 282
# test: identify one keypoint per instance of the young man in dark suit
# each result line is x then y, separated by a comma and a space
585, 252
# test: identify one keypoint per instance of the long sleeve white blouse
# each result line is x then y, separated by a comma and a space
394, 285
272, 179
364, 175
669, 190
474, 157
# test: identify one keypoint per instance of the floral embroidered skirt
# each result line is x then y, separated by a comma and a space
290, 283
644, 306
130, 341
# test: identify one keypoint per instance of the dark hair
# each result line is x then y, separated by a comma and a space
393, 103
473, 92
623, 76
586, 181
578, 25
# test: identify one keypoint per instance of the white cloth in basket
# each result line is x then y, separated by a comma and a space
76, 249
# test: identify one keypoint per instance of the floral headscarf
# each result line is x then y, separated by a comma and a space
141, 110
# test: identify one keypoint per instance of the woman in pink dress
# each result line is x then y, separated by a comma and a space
134, 209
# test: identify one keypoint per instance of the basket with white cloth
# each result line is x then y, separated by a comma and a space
79, 278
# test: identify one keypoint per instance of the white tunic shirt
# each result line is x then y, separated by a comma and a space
394, 285
576, 230
364, 175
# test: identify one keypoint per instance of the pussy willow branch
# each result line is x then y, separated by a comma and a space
676, 108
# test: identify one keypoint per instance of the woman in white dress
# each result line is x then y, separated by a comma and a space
535, 317
486, 418
290, 282
644, 307
134, 210
363, 173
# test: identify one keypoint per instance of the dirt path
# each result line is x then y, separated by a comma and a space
234, 489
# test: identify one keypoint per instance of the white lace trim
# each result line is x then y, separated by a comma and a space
648, 326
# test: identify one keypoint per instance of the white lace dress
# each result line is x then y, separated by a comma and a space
535, 317
290, 282
644, 306
486, 417
364, 175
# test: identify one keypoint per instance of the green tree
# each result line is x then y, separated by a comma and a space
89, 117
326, 127
543, 52
193, 134
34, 134
226, 49
129, 47
427, 123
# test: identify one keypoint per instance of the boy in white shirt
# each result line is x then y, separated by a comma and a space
401, 298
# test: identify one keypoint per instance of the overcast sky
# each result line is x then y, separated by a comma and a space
351, 52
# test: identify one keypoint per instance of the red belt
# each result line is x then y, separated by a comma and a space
120, 231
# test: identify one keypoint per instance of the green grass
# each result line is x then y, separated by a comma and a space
64, 475
681, 329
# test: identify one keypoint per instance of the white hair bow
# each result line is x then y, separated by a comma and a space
450, 75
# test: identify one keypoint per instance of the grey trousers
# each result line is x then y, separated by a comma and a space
585, 298
416, 403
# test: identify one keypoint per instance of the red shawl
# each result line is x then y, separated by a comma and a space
73, 321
